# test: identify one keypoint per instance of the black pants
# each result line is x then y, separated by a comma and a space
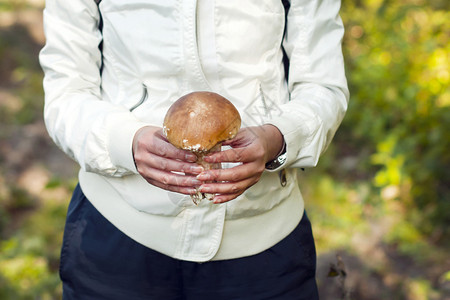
100, 262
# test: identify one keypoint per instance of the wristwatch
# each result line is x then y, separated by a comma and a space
279, 160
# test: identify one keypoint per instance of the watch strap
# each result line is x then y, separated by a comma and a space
279, 160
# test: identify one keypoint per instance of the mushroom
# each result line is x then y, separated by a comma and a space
200, 122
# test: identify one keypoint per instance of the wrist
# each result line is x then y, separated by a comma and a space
274, 141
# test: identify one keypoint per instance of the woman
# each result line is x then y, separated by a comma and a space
111, 73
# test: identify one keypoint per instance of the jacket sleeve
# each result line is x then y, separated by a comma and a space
96, 133
317, 83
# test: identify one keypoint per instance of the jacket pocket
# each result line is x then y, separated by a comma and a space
142, 99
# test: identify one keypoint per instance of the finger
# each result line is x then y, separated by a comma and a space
174, 188
161, 147
228, 187
170, 165
225, 198
170, 151
169, 178
245, 136
245, 154
233, 174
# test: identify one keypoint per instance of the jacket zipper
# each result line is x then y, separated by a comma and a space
143, 98
283, 177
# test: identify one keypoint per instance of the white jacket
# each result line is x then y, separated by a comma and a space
156, 51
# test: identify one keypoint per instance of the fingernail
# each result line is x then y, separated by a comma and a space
204, 176
191, 157
197, 169
205, 189
196, 182
209, 159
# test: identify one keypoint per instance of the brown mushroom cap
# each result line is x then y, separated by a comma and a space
200, 120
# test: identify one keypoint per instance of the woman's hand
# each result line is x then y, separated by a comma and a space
253, 147
157, 160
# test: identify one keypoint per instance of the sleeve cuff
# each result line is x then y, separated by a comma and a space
120, 143
296, 134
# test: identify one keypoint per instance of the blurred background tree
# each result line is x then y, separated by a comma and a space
398, 69
379, 200
383, 188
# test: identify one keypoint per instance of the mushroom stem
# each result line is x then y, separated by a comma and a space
197, 197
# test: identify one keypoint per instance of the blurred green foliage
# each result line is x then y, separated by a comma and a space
20, 72
398, 65
383, 185
385, 181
